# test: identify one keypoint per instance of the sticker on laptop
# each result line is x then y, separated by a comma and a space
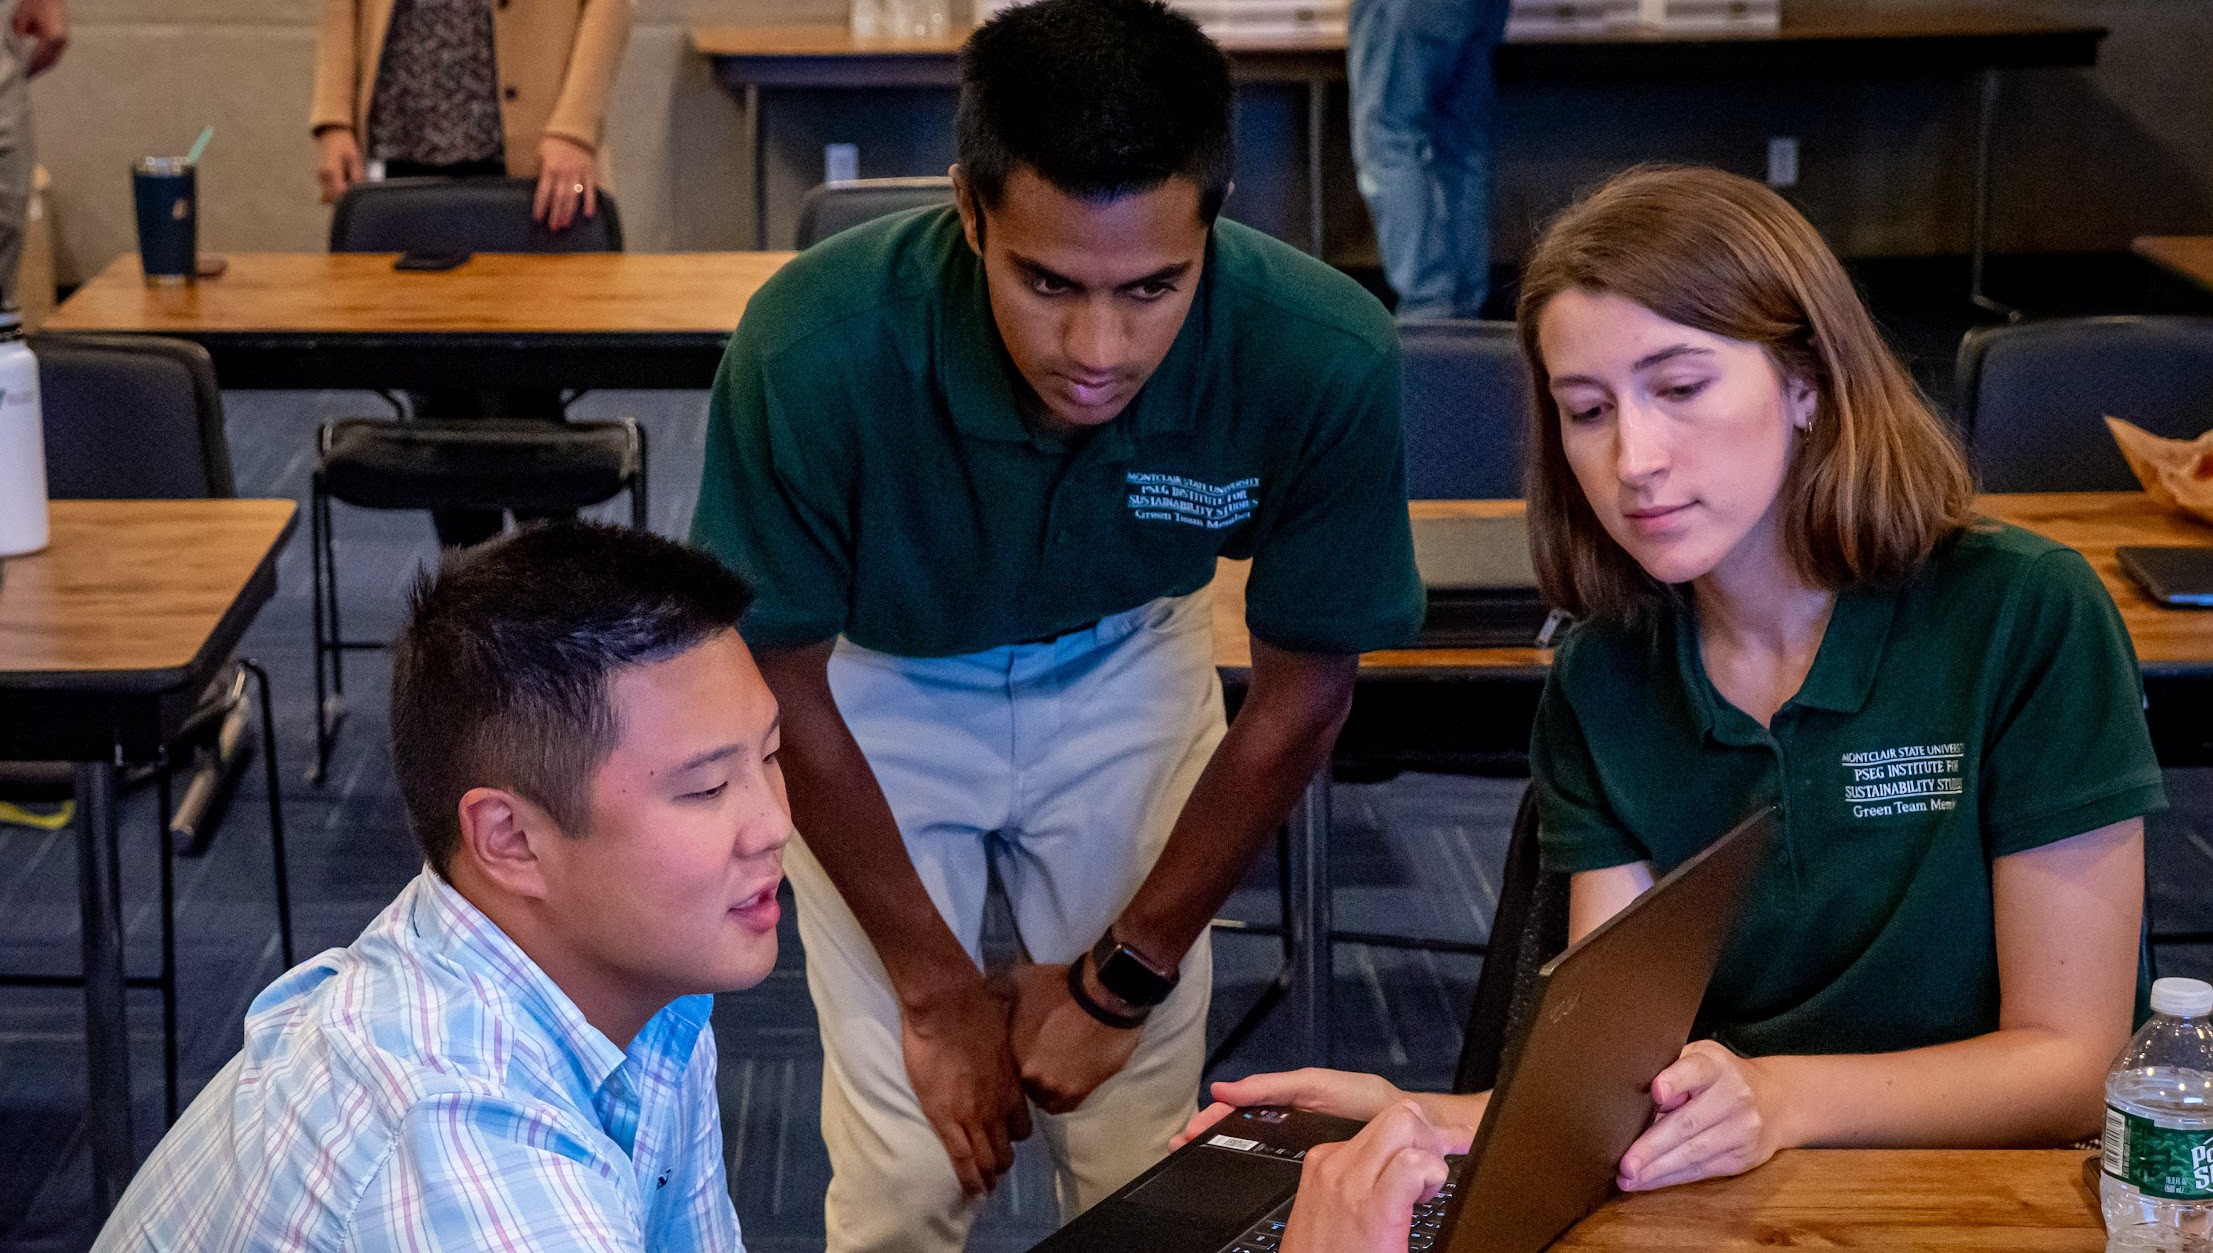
1232, 1142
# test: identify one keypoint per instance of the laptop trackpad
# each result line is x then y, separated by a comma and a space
1217, 1183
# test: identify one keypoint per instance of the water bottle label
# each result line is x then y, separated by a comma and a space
2166, 1162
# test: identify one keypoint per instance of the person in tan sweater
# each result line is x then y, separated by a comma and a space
469, 88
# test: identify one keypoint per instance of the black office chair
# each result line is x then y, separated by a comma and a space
461, 215
832, 207
1467, 410
529, 460
1467, 405
140, 418
1529, 929
2032, 398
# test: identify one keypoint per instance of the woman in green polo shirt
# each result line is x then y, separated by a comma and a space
1786, 599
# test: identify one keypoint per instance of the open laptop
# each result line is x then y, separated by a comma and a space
1574, 1092
1482, 589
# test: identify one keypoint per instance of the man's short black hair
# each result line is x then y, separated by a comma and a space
501, 677
1102, 98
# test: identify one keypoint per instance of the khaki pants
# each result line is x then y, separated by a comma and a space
1075, 758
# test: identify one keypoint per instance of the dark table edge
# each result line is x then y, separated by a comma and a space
378, 360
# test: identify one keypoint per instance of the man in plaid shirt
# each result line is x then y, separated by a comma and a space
516, 1053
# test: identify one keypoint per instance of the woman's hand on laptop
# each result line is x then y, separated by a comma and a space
1359, 1196
1718, 1116
1339, 1092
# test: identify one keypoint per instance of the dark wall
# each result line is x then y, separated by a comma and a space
2084, 159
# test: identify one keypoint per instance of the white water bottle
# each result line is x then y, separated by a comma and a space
2157, 1184
22, 444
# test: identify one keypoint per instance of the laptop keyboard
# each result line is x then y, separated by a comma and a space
1266, 1235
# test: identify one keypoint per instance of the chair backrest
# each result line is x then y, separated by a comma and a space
461, 215
833, 207
2032, 398
1529, 929
1467, 409
131, 417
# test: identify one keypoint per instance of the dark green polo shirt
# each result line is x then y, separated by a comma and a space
868, 469
1990, 705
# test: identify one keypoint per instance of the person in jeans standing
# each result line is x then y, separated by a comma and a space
1422, 105
470, 89
35, 38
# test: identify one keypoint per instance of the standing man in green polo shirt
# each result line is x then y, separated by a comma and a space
981, 464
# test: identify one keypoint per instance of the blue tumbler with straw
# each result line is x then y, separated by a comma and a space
166, 189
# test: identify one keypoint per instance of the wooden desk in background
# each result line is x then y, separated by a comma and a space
2175, 643
106, 639
1426, 707
325, 320
1848, 43
2191, 256
1895, 1201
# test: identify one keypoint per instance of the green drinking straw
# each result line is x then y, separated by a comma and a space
200, 145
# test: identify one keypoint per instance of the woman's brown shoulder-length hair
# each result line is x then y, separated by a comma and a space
1876, 483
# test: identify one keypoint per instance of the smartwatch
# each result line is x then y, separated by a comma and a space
1127, 973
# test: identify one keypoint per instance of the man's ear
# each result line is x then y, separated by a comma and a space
500, 835
972, 214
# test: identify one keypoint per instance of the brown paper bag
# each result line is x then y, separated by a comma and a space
2176, 473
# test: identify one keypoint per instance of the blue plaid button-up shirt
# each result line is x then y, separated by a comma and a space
429, 1088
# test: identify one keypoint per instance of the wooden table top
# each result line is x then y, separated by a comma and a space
830, 39
1897, 1201
131, 586
1233, 645
2096, 523
2191, 256
2092, 523
360, 293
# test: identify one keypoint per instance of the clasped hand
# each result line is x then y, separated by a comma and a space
1718, 1116
978, 1055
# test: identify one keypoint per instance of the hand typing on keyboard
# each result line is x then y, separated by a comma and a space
1360, 1196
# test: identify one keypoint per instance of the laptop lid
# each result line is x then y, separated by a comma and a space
1474, 554
1611, 1012
2179, 578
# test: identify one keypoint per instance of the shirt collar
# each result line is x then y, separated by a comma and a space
449, 925
1840, 681
1843, 673
979, 376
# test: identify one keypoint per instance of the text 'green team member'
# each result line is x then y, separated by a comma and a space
981, 464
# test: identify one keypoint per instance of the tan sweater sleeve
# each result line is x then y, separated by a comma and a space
601, 36
337, 67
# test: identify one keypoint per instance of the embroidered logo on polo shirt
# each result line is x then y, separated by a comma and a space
1174, 498
1911, 779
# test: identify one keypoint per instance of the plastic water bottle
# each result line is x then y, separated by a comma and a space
22, 444
2157, 1186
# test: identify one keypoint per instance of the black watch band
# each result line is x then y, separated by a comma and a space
1125, 972
1083, 998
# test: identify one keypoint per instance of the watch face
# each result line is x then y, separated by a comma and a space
1125, 974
